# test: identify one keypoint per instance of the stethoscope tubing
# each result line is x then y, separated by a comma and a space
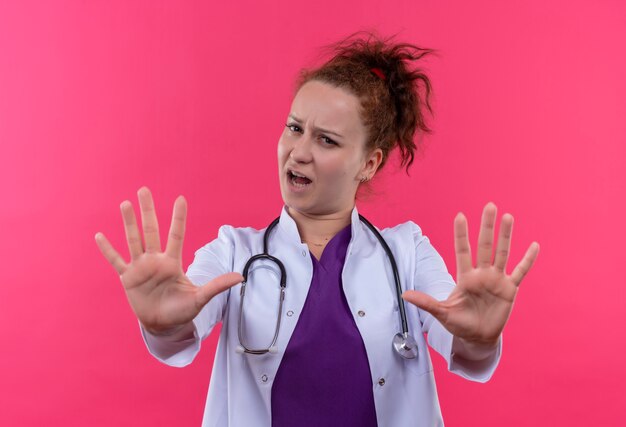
403, 342
396, 275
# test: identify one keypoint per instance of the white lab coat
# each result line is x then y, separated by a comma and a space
240, 386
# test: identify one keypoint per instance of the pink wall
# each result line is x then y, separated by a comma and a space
99, 98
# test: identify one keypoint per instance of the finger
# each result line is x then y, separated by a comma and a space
526, 263
462, 244
504, 242
149, 220
110, 253
132, 232
174, 247
425, 302
485, 236
217, 285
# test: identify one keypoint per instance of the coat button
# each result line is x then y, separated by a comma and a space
381, 382
290, 313
264, 378
361, 313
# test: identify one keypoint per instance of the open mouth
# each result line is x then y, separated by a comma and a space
297, 179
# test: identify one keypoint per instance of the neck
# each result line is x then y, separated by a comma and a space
319, 229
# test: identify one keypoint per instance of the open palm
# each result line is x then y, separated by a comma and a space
481, 302
158, 291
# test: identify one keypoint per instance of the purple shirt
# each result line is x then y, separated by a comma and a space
324, 377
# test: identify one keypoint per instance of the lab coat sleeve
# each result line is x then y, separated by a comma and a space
210, 261
432, 277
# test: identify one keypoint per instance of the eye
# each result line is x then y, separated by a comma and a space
293, 128
327, 140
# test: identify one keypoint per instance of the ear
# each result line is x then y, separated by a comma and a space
372, 162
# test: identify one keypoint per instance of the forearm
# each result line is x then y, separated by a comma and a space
177, 349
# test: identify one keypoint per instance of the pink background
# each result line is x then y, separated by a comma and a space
98, 98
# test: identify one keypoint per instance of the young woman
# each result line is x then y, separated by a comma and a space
316, 332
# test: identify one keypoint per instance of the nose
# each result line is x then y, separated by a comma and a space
301, 150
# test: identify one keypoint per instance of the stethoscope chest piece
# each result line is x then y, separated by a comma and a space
405, 345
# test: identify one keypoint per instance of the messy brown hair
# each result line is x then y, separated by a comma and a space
394, 97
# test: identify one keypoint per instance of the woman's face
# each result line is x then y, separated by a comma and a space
321, 153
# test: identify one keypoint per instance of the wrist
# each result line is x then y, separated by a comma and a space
473, 350
175, 332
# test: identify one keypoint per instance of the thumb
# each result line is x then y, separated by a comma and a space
219, 284
425, 302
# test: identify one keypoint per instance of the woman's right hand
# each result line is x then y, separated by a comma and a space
162, 297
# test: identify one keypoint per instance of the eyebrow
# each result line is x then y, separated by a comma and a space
319, 129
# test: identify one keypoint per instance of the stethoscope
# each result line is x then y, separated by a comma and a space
403, 343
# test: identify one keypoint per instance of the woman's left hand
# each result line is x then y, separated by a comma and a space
481, 302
